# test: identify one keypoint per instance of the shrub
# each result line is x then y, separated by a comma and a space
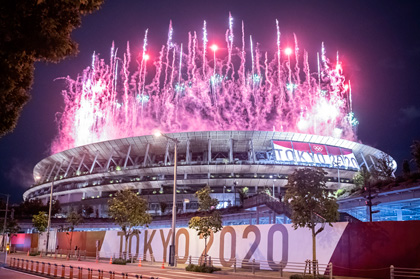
33, 254
119, 261
340, 192
202, 268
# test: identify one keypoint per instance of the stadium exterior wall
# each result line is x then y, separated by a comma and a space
225, 160
355, 249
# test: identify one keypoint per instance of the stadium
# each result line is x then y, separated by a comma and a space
234, 128
224, 160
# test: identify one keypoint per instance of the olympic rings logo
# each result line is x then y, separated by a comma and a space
318, 148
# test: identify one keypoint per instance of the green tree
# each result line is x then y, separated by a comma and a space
362, 177
205, 201
311, 202
211, 222
73, 219
40, 221
129, 211
32, 31
415, 151
12, 228
243, 194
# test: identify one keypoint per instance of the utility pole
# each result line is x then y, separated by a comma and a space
49, 217
369, 201
5, 220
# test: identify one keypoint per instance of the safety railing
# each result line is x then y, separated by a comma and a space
404, 272
68, 271
254, 266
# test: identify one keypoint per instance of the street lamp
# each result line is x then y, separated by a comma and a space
172, 246
49, 217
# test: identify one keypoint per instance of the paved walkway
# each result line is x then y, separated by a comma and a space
147, 270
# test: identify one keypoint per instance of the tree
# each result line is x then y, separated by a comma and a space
205, 201
12, 226
129, 211
385, 167
243, 194
73, 220
163, 206
40, 221
406, 168
87, 210
55, 207
29, 208
211, 222
311, 202
362, 177
415, 151
33, 31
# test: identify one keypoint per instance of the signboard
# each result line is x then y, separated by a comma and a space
312, 153
268, 244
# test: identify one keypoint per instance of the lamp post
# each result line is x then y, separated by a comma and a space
224, 188
5, 220
338, 173
49, 217
172, 246
274, 182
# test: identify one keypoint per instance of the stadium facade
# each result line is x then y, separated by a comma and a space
225, 160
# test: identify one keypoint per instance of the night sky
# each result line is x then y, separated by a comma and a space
378, 42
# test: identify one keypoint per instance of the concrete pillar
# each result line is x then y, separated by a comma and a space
209, 152
367, 214
187, 153
258, 216
399, 215
230, 150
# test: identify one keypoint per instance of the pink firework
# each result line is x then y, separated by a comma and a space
195, 89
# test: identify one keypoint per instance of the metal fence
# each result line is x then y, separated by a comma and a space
404, 272
253, 266
68, 271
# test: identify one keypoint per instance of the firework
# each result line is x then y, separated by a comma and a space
197, 91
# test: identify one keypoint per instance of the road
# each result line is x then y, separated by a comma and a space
154, 271
12, 274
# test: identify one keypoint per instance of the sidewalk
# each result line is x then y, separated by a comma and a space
154, 270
